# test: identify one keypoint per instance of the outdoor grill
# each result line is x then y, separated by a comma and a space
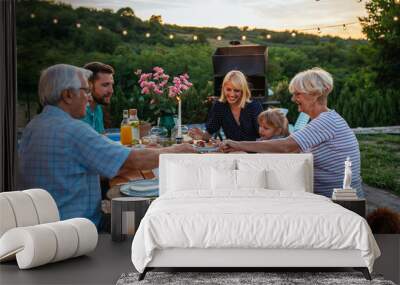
251, 60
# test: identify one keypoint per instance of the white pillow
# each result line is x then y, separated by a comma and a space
251, 178
191, 176
283, 174
279, 180
224, 179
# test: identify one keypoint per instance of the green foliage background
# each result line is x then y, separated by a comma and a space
366, 77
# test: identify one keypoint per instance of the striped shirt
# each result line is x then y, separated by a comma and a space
65, 157
220, 116
331, 141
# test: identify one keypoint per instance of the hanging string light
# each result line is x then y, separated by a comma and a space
125, 32
344, 26
244, 37
395, 18
397, 1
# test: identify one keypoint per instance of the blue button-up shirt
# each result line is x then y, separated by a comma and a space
95, 118
65, 156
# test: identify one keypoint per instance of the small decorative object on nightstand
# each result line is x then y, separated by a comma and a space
347, 196
345, 193
356, 205
126, 214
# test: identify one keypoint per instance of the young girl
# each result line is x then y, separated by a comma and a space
272, 125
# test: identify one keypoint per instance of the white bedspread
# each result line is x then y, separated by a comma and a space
250, 219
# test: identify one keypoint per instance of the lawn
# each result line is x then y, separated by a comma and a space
380, 161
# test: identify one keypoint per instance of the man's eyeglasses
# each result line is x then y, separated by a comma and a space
87, 90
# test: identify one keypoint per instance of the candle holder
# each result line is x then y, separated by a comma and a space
182, 134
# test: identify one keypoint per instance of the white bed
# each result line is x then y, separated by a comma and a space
247, 210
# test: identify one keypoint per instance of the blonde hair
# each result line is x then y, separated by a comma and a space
276, 119
315, 82
238, 81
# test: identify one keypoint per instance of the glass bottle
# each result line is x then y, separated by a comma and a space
134, 123
126, 130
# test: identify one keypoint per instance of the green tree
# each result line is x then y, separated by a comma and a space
382, 27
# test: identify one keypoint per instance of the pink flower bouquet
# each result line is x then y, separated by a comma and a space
162, 92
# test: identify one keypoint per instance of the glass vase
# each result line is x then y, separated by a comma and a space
167, 121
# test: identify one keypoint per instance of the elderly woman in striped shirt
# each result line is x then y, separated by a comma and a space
328, 137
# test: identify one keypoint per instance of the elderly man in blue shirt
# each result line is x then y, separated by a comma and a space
60, 153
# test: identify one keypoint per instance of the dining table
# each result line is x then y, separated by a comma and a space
116, 182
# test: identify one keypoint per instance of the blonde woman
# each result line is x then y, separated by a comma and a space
234, 112
327, 136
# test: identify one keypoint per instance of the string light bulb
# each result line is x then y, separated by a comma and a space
195, 38
293, 34
125, 32
99, 27
33, 16
268, 36
147, 35
319, 30
219, 38
171, 36
55, 21
395, 18
78, 25
397, 1
344, 27
244, 38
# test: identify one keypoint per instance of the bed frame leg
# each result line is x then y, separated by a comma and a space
364, 271
143, 274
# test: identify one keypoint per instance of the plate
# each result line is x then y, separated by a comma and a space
205, 149
141, 188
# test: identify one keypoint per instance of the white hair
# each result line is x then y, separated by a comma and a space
315, 81
57, 78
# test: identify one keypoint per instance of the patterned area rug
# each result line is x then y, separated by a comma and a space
229, 278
